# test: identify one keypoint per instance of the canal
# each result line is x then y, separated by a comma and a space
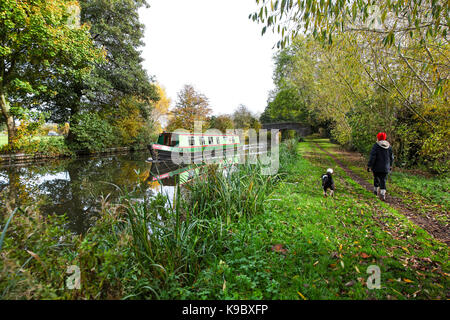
76, 187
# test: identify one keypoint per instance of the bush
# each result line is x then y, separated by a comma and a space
53, 147
90, 133
146, 135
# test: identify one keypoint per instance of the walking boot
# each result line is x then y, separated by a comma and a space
383, 194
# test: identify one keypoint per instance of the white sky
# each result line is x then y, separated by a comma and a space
212, 45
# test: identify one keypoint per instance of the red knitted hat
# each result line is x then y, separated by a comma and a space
381, 136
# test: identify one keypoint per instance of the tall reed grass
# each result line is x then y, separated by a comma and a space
172, 242
151, 249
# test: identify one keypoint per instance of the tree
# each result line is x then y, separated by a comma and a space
325, 18
39, 40
116, 28
222, 122
161, 107
288, 106
244, 119
191, 106
356, 89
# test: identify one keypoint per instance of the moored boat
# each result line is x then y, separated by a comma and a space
192, 147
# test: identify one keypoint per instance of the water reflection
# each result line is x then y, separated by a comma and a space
75, 187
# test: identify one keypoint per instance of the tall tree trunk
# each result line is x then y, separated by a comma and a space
74, 109
10, 125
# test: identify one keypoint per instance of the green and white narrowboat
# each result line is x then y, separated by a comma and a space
194, 147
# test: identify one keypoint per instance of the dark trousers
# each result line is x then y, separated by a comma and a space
379, 180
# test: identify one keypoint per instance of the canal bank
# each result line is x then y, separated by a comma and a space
241, 236
25, 158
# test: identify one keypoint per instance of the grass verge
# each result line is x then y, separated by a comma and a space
238, 236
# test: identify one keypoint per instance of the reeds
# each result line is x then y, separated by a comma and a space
171, 242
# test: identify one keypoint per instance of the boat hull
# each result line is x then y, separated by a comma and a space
195, 155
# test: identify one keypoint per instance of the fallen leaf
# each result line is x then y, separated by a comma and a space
364, 255
279, 248
350, 283
303, 297
34, 255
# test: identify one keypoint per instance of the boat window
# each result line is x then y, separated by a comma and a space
202, 141
217, 140
210, 140
174, 140
191, 141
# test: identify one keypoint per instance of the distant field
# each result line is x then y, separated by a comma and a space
4, 138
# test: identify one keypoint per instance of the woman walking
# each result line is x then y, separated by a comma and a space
380, 162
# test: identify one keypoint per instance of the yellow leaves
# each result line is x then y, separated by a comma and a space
250, 187
302, 296
407, 280
161, 107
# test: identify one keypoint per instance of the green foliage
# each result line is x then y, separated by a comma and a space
239, 192
53, 146
244, 119
131, 121
282, 240
289, 134
91, 133
351, 94
114, 28
324, 19
222, 123
39, 42
287, 106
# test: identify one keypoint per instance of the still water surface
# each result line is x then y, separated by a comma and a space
76, 186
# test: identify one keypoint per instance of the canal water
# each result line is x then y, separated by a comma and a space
76, 186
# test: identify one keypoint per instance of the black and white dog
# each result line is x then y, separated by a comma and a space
328, 183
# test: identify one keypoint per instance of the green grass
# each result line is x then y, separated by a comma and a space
327, 245
243, 236
424, 193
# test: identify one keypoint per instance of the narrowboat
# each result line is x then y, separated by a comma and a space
192, 147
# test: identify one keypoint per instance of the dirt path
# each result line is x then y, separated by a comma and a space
430, 224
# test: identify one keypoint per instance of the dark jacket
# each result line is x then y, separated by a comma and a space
381, 157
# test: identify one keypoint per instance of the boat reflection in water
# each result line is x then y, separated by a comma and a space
167, 173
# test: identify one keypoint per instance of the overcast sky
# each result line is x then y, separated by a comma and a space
212, 45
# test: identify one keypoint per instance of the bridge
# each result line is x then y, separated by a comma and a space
302, 130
